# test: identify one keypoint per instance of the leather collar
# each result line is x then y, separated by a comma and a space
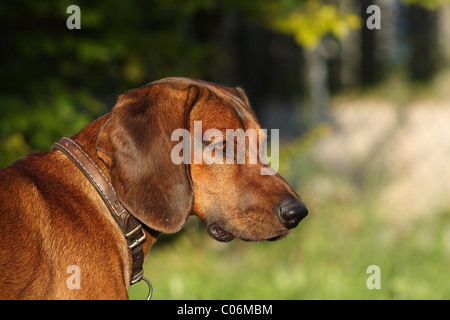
130, 227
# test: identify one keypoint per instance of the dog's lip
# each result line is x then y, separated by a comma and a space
219, 233
279, 237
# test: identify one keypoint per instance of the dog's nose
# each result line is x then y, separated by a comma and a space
291, 213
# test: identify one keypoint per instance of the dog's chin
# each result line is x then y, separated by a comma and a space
219, 234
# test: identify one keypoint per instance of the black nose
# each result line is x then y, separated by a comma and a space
291, 213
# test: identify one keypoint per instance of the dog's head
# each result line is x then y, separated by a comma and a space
235, 197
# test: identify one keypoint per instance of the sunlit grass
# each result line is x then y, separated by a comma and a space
325, 258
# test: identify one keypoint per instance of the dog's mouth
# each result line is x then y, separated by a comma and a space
221, 235
279, 237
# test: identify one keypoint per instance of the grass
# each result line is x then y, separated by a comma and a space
326, 257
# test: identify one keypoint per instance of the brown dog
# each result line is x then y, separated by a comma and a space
54, 221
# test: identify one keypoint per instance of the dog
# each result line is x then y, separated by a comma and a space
94, 205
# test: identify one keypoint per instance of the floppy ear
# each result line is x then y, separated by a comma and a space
136, 145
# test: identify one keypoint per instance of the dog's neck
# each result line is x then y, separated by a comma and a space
87, 139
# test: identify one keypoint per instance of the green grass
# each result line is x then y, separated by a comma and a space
325, 257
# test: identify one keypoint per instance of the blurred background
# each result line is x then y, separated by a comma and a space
363, 114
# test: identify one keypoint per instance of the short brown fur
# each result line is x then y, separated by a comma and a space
52, 217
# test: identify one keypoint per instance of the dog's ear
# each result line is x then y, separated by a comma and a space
136, 145
241, 94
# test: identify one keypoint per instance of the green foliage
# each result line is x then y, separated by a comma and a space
56, 80
309, 21
429, 4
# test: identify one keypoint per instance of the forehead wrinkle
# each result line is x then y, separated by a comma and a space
242, 112
224, 98
237, 106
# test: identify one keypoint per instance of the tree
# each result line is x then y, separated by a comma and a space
311, 22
